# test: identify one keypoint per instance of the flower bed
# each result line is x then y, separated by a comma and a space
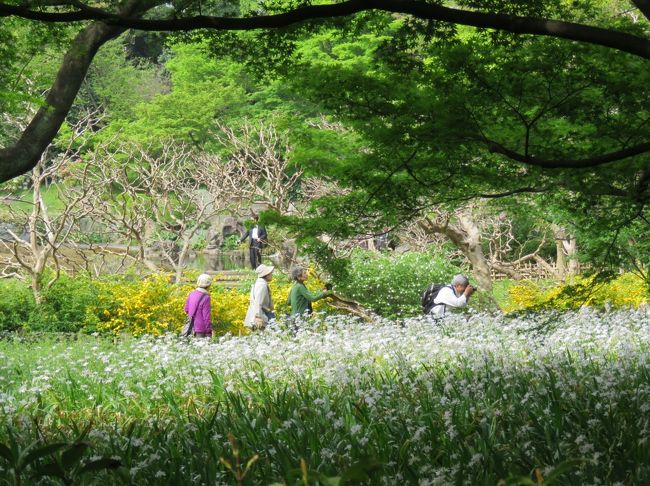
476, 400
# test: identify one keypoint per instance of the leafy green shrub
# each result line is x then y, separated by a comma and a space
230, 243
16, 304
392, 285
64, 306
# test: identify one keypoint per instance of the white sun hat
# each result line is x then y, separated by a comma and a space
263, 270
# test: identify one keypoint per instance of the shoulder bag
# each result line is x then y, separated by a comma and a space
188, 327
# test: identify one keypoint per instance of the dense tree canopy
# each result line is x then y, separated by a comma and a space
103, 22
425, 103
446, 115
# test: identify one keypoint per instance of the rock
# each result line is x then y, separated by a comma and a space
160, 248
18, 230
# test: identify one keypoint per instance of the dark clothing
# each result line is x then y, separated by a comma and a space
300, 299
261, 236
255, 255
256, 244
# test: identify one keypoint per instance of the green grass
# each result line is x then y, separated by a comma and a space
50, 197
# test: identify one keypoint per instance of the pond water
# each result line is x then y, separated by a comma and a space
215, 261
113, 261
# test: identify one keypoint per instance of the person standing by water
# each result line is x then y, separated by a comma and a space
260, 308
258, 240
198, 305
300, 298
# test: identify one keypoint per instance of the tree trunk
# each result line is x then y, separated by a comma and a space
565, 245
571, 249
37, 288
26, 152
180, 263
471, 248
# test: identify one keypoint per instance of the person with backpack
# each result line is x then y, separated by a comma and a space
438, 299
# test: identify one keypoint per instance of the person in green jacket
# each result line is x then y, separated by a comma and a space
300, 298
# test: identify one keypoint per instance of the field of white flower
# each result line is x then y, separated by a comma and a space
553, 399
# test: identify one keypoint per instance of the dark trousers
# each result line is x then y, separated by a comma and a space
256, 256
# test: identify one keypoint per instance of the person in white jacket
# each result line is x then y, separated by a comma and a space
260, 309
453, 296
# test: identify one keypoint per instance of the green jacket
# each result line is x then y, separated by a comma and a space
300, 298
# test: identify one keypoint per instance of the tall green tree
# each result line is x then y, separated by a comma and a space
102, 22
447, 115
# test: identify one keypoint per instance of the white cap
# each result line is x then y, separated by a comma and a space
204, 280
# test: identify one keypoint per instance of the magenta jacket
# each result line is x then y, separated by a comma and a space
202, 321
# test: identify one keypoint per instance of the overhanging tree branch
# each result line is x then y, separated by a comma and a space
516, 24
596, 161
21, 157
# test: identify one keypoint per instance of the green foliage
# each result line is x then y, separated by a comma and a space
64, 306
202, 90
63, 460
29, 56
119, 84
611, 235
16, 304
423, 106
392, 285
230, 243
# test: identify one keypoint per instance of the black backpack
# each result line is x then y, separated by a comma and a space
428, 297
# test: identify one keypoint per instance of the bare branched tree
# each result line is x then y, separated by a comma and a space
471, 230
264, 158
465, 234
121, 204
162, 198
506, 253
312, 188
46, 230
417, 237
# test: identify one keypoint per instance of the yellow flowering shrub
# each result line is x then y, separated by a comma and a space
229, 308
153, 305
627, 290
315, 284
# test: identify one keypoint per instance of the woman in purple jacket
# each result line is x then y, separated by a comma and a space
198, 305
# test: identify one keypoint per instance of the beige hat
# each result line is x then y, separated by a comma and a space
204, 281
263, 270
